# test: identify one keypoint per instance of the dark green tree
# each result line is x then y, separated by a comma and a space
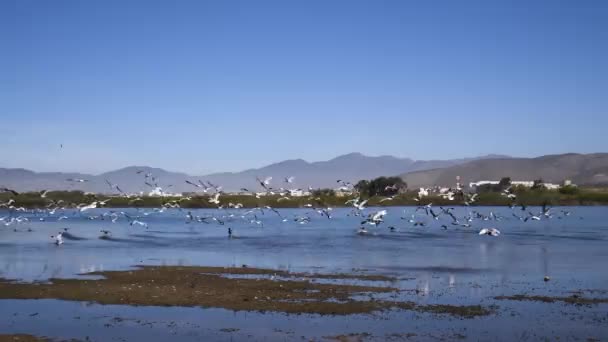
505, 182
362, 186
569, 190
323, 192
538, 184
381, 186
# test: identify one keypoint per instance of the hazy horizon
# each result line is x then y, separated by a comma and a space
169, 169
240, 170
226, 171
205, 87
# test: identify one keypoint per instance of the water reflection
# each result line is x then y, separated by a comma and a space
91, 268
323, 245
545, 260
423, 288
432, 265
89, 321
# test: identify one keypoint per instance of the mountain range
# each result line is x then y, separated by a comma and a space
350, 167
582, 169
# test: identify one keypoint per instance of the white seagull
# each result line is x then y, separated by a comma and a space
215, 199
423, 192
58, 239
87, 207
143, 224
375, 218
489, 231
264, 183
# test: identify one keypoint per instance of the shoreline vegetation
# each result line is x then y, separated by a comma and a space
322, 198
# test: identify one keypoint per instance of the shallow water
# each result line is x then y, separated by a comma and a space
453, 266
113, 322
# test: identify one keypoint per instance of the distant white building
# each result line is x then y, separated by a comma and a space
484, 182
158, 192
343, 193
527, 184
551, 186
241, 193
298, 193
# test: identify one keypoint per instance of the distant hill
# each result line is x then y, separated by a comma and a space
350, 167
583, 169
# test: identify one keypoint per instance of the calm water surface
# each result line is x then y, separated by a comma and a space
451, 266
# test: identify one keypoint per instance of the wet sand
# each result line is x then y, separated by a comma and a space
212, 287
575, 299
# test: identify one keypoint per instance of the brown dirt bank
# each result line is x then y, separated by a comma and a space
208, 287
574, 299
21, 338
261, 271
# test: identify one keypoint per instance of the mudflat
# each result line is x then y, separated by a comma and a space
251, 289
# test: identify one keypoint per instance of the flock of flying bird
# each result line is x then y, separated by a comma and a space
57, 210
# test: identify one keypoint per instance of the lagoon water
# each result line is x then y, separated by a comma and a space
434, 265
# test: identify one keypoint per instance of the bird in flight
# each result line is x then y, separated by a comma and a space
376, 218
9, 190
89, 206
193, 184
143, 224
393, 187
215, 199
362, 231
264, 183
489, 231
390, 198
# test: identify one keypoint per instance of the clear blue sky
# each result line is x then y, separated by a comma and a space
202, 86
